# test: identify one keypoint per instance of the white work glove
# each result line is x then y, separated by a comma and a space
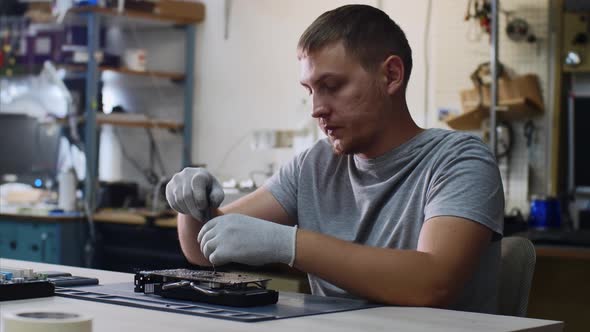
194, 192
243, 239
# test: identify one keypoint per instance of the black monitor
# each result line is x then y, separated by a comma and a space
28, 149
579, 144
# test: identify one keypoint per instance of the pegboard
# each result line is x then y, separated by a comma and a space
525, 172
528, 170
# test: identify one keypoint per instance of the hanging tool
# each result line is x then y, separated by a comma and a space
480, 10
481, 76
529, 133
519, 30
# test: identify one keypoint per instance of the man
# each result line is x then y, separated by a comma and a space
381, 209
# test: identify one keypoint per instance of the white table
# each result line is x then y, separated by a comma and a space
114, 318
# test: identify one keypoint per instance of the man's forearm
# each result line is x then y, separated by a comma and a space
259, 204
401, 277
188, 230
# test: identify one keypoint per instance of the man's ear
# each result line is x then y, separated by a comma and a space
393, 70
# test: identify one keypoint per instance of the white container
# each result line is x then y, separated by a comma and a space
135, 59
110, 156
67, 190
121, 6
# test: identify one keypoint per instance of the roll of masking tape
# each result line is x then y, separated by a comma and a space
46, 321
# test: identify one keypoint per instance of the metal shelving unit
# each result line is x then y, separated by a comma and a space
94, 18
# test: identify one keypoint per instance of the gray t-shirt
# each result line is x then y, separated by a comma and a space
384, 202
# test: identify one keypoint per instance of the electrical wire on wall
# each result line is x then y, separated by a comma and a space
426, 55
155, 154
149, 173
237, 143
426, 42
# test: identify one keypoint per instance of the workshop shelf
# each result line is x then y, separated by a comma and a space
132, 17
174, 76
153, 73
133, 121
509, 110
137, 121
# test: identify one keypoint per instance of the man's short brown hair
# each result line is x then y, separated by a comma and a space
368, 34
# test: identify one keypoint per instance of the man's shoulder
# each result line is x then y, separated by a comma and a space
319, 153
451, 135
322, 145
320, 149
451, 140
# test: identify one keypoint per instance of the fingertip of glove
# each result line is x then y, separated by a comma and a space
216, 197
201, 234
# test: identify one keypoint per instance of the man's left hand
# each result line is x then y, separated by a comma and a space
243, 239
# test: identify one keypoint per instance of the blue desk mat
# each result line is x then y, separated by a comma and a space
289, 305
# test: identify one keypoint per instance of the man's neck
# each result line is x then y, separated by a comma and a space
404, 130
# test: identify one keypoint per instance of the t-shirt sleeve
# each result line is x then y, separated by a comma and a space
467, 184
284, 183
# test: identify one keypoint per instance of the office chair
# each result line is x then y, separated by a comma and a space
516, 275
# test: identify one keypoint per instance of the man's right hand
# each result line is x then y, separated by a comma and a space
194, 192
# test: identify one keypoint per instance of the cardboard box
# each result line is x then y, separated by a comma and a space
139, 5
510, 90
180, 9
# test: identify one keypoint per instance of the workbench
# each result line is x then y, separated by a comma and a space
108, 317
128, 241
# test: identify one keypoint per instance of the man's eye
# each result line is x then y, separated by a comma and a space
330, 88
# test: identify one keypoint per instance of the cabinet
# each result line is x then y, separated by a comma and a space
95, 18
560, 289
41, 241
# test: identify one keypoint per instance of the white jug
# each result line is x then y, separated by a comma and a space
67, 190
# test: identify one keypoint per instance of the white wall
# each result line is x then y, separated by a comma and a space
250, 81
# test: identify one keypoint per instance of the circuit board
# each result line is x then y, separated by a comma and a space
231, 289
18, 284
211, 278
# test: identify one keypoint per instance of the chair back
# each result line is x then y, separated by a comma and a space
516, 275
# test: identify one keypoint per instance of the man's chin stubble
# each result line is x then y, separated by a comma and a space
337, 149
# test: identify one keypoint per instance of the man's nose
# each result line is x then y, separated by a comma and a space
319, 109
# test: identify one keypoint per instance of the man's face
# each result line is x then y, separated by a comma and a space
351, 104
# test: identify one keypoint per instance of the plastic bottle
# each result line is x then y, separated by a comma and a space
67, 190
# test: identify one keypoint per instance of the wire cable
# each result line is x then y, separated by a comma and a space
155, 149
148, 174
237, 143
426, 61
